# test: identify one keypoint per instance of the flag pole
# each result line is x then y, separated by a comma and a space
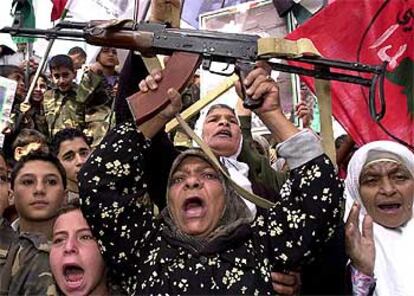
28, 56
136, 11
42, 63
294, 77
145, 11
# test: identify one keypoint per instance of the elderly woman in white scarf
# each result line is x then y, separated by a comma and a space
380, 228
221, 131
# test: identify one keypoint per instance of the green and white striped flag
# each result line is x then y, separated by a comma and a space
25, 10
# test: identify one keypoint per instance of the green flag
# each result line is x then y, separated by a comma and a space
25, 9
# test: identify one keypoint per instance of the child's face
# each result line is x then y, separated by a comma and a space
78, 61
75, 260
108, 57
39, 90
38, 191
21, 88
62, 77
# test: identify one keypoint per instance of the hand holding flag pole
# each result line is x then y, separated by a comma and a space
41, 65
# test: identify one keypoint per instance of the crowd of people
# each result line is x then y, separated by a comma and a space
93, 203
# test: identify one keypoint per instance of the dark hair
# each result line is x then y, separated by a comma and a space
27, 136
220, 106
3, 155
102, 49
69, 207
61, 60
64, 135
77, 50
38, 155
7, 70
44, 77
340, 140
41, 75
5, 50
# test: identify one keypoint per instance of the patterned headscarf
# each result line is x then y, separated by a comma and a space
235, 212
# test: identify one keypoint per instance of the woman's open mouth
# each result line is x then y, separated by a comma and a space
194, 207
390, 208
73, 275
224, 133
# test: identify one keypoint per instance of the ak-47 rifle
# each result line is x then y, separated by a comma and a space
191, 47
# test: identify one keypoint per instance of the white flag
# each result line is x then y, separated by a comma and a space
101, 9
7, 92
86, 10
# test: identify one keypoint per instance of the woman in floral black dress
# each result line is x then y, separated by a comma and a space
206, 241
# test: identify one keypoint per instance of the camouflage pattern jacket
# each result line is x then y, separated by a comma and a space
32, 119
86, 107
99, 116
37, 116
64, 110
24, 264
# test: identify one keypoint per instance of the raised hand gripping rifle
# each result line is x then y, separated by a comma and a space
189, 48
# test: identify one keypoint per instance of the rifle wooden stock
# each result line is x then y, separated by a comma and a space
133, 40
177, 73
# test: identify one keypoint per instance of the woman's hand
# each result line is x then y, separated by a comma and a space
151, 83
360, 247
163, 10
260, 86
286, 284
305, 113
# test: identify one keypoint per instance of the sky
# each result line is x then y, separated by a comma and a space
42, 9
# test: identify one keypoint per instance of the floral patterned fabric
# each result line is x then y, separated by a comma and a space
362, 284
144, 260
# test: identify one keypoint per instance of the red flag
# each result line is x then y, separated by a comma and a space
57, 10
369, 32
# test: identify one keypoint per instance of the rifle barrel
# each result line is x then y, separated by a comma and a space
339, 64
72, 25
326, 75
42, 33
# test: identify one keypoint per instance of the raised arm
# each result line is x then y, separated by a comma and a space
309, 207
309, 211
266, 182
112, 187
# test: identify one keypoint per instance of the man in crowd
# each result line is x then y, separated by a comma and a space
100, 117
71, 147
63, 108
65, 105
38, 184
28, 140
4, 184
78, 56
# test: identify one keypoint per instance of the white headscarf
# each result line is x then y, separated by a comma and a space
239, 171
394, 259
